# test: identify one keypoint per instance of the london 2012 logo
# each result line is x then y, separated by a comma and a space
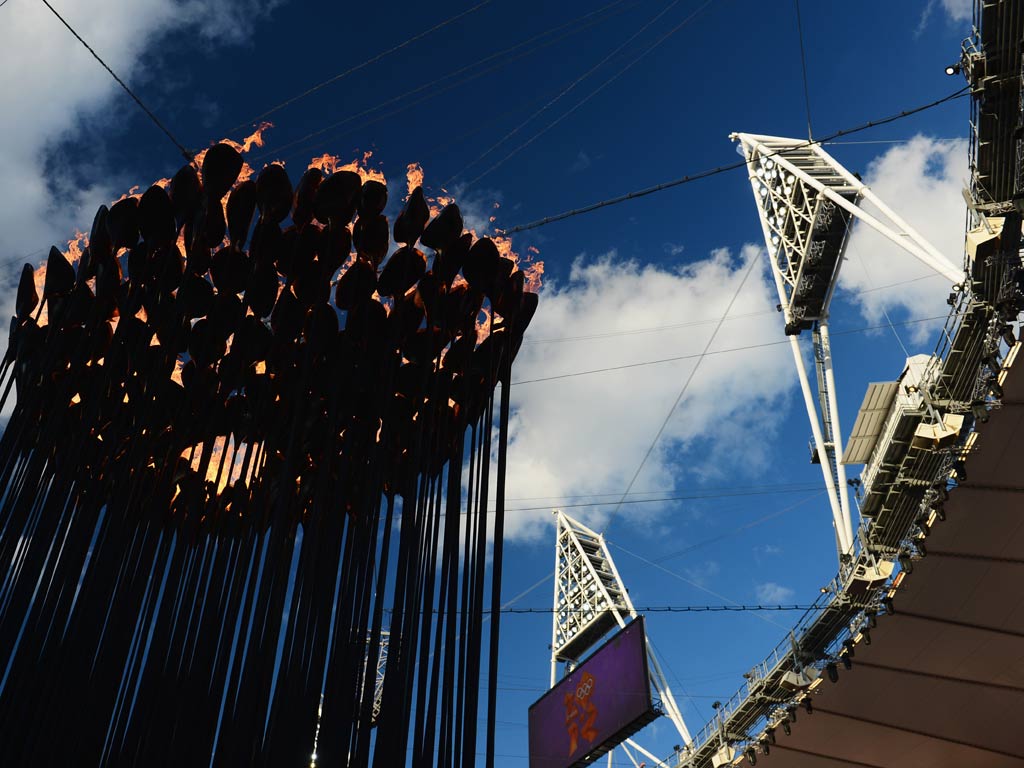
581, 713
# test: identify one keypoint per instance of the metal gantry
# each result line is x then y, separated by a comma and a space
807, 202
590, 599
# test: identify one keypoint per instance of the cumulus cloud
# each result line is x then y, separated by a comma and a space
921, 181
771, 593
586, 435
53, 88
957, 11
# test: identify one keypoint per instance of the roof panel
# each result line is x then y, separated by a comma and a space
870, 419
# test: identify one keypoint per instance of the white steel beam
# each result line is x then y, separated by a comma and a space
845, 542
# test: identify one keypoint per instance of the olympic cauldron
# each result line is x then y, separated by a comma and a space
235, 397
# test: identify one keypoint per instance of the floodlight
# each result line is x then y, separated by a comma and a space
833, 672
953, 69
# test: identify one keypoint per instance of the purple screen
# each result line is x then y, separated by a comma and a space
603, 695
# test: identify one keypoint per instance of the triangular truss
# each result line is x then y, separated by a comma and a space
590, 599
807, 202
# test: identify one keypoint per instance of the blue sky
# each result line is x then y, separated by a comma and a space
641, 280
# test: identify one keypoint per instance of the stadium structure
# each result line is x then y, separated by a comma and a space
911, 655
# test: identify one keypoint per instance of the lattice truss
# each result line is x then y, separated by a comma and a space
590, 599
806, 202
382, 663
794, 187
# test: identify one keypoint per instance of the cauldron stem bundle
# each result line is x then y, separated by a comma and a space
251, 454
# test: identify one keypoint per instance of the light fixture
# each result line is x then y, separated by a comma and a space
906, 564
809, 706
961, 471
833, 672
866, 635
872, 619
787, 728
847, 662
770, 733
890, 609
751, 756
953, 69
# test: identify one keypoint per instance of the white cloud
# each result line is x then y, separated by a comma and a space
771, 593
588, 434
581, 163
52, 89
921, 181
958, 10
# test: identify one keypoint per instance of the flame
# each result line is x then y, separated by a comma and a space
532, 270
132, 192
176, 373
483, 322
231, 471
75, 247
332, 164
414, 178
254, 139
533, 276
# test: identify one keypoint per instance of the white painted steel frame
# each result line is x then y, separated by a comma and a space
757, 149
573, 565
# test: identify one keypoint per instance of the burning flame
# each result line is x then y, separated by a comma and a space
132, 192
414, 178
532, 270
254, 139
230, 469
332, 164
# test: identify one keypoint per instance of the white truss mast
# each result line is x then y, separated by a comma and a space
807, 202
590, 599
